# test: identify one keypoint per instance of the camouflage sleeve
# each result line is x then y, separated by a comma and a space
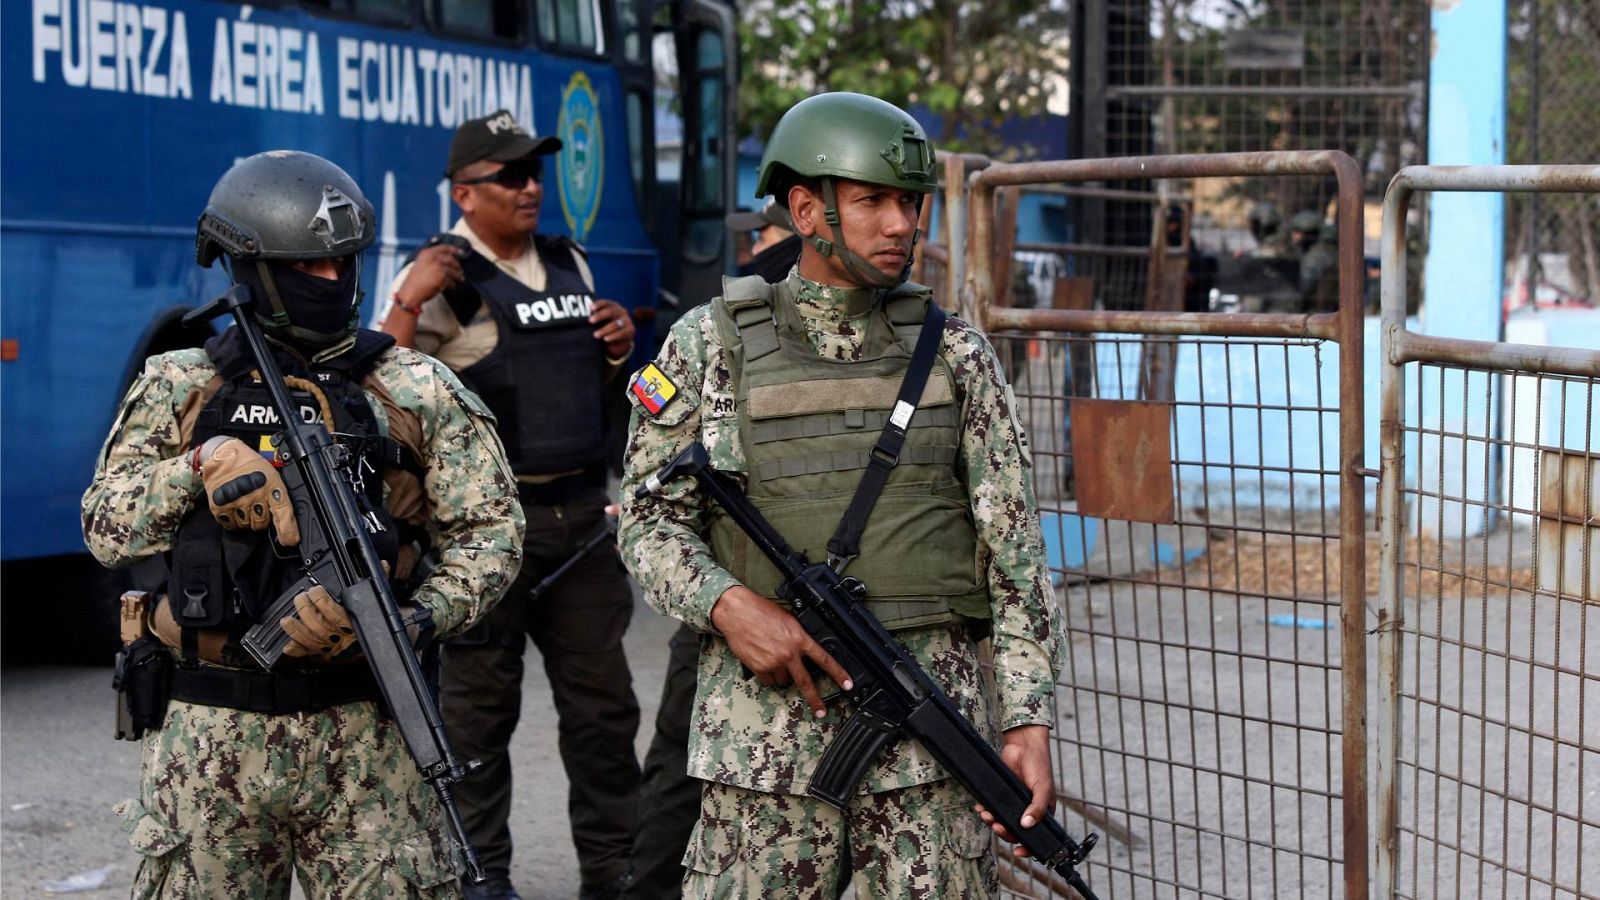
660, 536
477, 523
143, 485
1028, 648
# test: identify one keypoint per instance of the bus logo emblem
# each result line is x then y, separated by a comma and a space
580, 166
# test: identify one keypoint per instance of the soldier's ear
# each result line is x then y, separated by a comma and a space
805, 208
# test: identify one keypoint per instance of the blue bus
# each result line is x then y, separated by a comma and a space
119, 117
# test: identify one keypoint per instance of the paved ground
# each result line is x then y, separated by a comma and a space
62, 772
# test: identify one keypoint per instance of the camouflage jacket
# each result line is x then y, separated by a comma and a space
144, 486
765, 738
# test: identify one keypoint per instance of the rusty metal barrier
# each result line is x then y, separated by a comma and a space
1488, 751
1219, 752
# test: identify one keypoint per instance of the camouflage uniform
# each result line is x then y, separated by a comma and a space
751, 738
230, 800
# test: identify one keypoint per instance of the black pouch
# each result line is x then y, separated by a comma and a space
143, 681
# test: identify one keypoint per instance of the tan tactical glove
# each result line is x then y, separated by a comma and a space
244, 490
320, 627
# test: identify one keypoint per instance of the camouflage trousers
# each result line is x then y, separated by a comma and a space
917, 842
232, 802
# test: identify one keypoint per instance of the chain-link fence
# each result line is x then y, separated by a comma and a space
1210, 76
1553, 242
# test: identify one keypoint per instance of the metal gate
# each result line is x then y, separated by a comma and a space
1488, 751
1220, 751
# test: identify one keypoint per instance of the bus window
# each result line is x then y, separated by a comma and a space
394, 12
498, 19
631, 25
572, 25
638, 121
707, 234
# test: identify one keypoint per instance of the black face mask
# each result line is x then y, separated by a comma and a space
321, 306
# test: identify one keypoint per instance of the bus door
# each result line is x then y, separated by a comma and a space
692, 75
707, 56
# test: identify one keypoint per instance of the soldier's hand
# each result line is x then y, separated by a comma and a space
1026, 752
435, 270
245, 491
320, 627
614, 326
773, 645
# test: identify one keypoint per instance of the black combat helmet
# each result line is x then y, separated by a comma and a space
287, 205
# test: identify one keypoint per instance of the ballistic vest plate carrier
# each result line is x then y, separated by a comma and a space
808, 424
543, 378
227, 579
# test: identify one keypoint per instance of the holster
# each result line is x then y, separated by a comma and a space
143, 674
143, 679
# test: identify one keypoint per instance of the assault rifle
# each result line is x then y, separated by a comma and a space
337, 552
891, 692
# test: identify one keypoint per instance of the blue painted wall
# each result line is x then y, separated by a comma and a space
1463, 274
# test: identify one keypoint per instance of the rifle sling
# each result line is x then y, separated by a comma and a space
845, 544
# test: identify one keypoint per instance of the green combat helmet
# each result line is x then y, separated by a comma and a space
284, 205
1306, 221
854, 136
1304, 226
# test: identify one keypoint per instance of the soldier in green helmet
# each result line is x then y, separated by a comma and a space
788, 387
1317, 243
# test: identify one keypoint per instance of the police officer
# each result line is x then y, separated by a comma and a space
254, 774
513, 312
788, 387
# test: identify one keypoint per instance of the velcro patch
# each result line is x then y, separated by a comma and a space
653, 388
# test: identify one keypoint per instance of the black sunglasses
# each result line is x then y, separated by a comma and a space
512, 175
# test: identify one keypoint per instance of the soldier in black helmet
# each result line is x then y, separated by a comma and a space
251, 775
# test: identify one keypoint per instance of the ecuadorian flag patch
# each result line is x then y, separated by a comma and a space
654, 389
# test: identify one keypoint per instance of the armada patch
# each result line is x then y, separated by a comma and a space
653, 388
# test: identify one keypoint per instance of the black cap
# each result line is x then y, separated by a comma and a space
498, 138
750, 220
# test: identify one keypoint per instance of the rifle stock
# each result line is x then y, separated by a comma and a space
891, 692
336, 550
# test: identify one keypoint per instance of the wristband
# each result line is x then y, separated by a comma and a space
415, 311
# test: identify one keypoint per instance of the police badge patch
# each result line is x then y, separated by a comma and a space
653, 388
581, 166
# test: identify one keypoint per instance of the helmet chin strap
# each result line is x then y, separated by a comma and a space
864, 272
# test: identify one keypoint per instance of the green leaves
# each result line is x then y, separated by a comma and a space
973, 64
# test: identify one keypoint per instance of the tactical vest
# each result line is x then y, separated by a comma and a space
807, 425
543, 378
222, 579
